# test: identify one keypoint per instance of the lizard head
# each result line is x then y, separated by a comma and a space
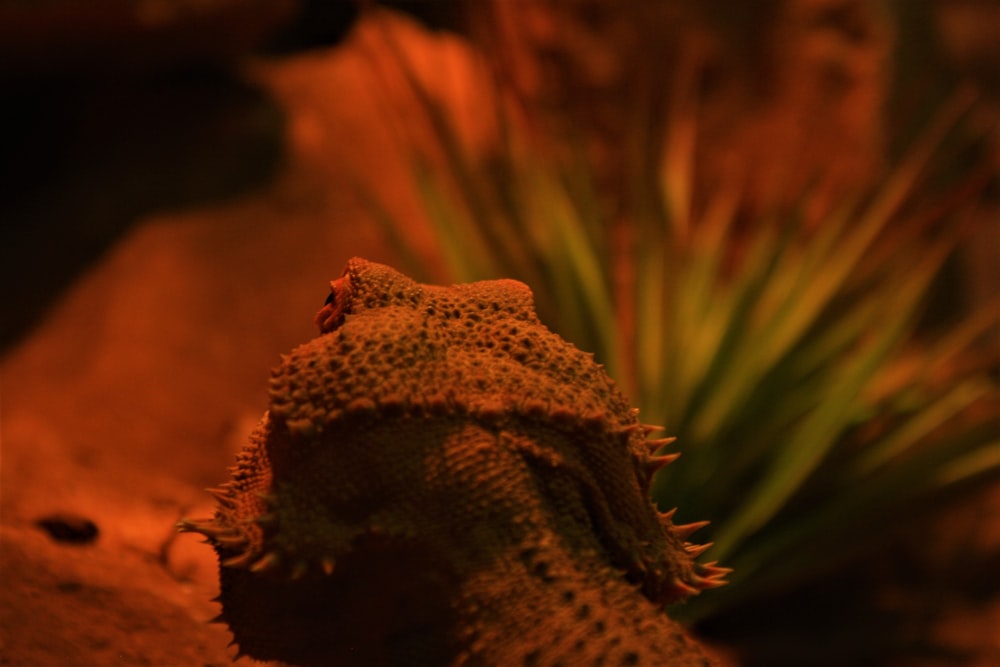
446, 427
364, 286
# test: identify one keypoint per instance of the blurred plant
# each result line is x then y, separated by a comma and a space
783, 351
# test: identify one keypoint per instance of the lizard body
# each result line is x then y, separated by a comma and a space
441, 480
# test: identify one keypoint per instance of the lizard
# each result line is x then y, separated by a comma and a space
439, 479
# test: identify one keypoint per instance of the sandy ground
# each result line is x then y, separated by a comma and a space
141, 383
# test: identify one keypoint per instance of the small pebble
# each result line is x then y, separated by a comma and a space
69, 528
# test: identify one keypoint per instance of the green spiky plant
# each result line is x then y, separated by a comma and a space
810, 412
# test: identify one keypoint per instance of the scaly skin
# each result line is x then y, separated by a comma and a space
441, 480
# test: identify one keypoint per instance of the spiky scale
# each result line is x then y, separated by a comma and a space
535, 408
714, 570
655, 463
203, 526
231, 542
361, 405
695, 550
268, 561
240, 561
559, 415
222, 496
659, 443
299, 569
688, 529
684, 587
705, 583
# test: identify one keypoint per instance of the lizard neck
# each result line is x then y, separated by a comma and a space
538, 606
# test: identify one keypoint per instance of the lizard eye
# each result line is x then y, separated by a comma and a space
331, 315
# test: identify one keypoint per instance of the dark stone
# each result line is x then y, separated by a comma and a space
69, 528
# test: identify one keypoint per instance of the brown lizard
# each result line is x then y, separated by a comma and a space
441, 480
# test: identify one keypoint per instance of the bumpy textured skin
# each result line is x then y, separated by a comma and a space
441, 480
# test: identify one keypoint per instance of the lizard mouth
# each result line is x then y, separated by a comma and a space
331, 315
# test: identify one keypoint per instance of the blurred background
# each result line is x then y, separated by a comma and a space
776, 222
